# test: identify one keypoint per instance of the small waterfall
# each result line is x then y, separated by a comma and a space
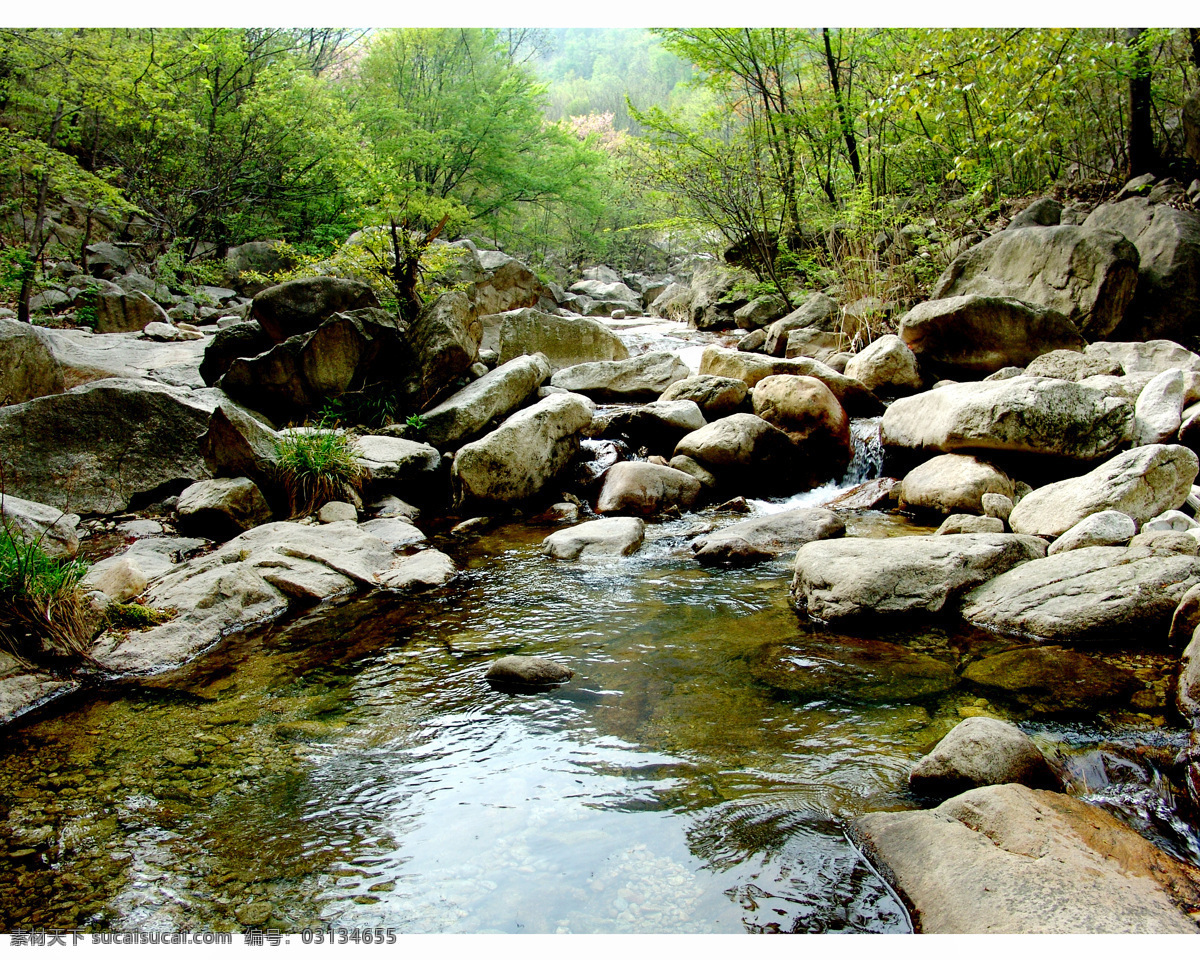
867, 460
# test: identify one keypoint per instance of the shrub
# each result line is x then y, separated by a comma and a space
43, 610
316, 467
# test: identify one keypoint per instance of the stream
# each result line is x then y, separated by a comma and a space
351, 766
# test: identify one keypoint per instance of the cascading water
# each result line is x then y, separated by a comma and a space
867, 460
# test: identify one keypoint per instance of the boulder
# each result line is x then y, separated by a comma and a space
1166, 302
1087, 275
1157, 415
498, 282
114, 442
1073, 365
1022, 414
655, 426
1151, 356
972, 336
604, 290
969, 523
301, 306
421, 571
854, 397
878, 494
820, 345
564, 341
643, 377
28, 367
749, 455
1187, 690
445, 342
528, 450
808, 412
998, 505
397, 533
51, 529
980, 752
715, 396
221, 509
857, 577
169, 333
400, 462
764, 538
1008, 859
1142, 482
759, 312
609, 537
952, 483
258, 256
498, 393
1052, 681
104, 256
120, 579
532, 673
1170, 520
646, 489
238, 445
817, 312
1093, 594
1108, 528
119, 312
239, 340
886, 366
337, 511
1043, 212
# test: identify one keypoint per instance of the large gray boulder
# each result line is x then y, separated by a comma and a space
644, 377
1094, 594
563, 341
1073, 365
461, 416
859, 577
1150, 356
603, 290
1142, 483
1158, 412
118, 312
222, 508
609, 537
498, 282
763, 538
238, 445
1108, 528
258, 256
301, 306
952, 483
95, 448
646, 489
400, 462
444, 340
972, 336
1008, 859
750, 368
715, 396
51, 529
750, 456
807, 411
239, 340
528, 450
981, 752
1087, 275
1166, 302
886, 366
657, 426
817, 312
1021, 414
28, 367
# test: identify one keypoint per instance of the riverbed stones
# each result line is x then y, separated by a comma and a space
1093, 594
527, 672
52, 530
886, 366
397, 532
421, 571
749, 455
529, 449
715, 396
113, 441
807, 411
656, 426
1088, 276
644, 377
859, 577
1008, 859
1158, 412
767, 537
969, 523
1108, 528
1142, 483
462, 416
222, 508
646, 489
750, 368
1022, 414
301, 306
1052, 680
952, 483
608, 537
981, 752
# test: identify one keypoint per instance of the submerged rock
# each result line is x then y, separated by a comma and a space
1052, 680
527, 672
981, 752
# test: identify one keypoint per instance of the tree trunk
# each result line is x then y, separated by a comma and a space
1141, 137
36, 242
843, 115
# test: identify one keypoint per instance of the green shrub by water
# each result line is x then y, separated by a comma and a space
317, 467
43, 610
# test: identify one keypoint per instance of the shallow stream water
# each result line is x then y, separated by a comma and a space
697, 775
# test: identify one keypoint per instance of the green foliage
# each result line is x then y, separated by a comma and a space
15, 265
416, 423
316, 465
43, 611
374, 407
134, 616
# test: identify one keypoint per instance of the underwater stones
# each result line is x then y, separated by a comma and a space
527, 673
1051, 680
980, 752
851, 668
609, 537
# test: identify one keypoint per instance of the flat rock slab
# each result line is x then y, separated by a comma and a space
766, 537
610, 537
429, 568
1008, 859
860, 577
1090, 594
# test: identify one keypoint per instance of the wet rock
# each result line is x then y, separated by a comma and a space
1052, 680
871, 495
221, 508
646, 489
462, 416
527, 672
715, 396
972, 336
857, 577
517, 459
301, 306
1021, 414
952, 483
337, 511
886, 366
1090, 594
1007, 859
969, 523
1142, 483
429, 568
22, 691
764, 538
52, 530
1089, 276
981, 752
808, 412
1108, 528
1187, 690
851, 668
643, 377
750, 456
557, 513
610, 537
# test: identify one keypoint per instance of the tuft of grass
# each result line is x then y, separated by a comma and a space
43, 610
134, 616
317, 467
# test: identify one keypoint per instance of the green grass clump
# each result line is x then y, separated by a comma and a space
317, 467
43, 610
134, 616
